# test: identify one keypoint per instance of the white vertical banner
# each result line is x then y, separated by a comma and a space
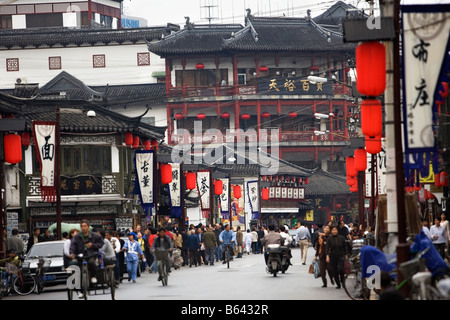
382, 168
203, 186
174, 186
253, 197
144, 178
44, 141
425, 38
224, 199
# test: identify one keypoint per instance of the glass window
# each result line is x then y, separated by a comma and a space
44, 20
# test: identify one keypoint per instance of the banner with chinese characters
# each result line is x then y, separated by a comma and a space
293, 86
203, 189
80, 185
224, 199
144, 162
238, 206
425, 35
380, 170
44, 143
253, 198
175, 192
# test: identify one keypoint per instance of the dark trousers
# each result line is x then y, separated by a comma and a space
337, 265
254, 247
184, 255
440, 247
193, 259
324, 267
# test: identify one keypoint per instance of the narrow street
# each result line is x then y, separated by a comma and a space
245, 280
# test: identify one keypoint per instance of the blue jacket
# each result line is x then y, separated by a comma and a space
193, 243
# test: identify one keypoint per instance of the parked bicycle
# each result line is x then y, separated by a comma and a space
26, 283
354, 284
7, 274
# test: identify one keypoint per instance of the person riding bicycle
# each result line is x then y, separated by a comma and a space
227, 237
12, 257
163, 243
88, 244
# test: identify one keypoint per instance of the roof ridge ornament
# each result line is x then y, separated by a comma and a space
189, 25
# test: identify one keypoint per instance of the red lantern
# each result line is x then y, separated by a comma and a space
338, 206
200, 66
191, 180
351, 181
128, 138
13, 148
444, 178
26, 138
354, 188
292, 115
201, 116
350, 167
371, 118
371, 68
166, 173
306, 180
314, 68
245, 116
146, 145
237, 192
154, 144
218, 187
265, 193
417, 188
179, 116
263, 69
437, 180
373, 144
225, 115
135, 142
265, 115
360, 161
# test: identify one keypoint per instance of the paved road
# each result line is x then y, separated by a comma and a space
245, 280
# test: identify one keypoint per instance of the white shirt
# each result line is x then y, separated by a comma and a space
67, 247
115, 244
287, 238
440, 233
248, 238
446, 227
426, 231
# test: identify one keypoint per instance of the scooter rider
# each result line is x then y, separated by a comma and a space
271, 238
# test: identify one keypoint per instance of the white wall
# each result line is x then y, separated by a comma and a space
121, 65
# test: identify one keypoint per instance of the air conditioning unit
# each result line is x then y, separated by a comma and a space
22, 80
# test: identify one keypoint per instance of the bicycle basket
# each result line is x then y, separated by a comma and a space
11, 268
161, 255
410, 268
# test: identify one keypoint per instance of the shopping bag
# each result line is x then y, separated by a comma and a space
311, 269
316, 269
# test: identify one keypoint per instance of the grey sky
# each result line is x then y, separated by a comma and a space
159, 12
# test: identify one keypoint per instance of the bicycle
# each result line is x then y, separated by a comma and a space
162, 257
228, 253
7, 279
23, 282
84, 279
354, 284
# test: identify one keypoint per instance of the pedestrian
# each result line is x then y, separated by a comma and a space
439, 237
109, 255
201, 253
342, 230
151, 239
142, 260
425, 228
15, 243
133, 250
35, 238
356, 233
67, 243
261, 235
239, 241
218, 252
184, 248
193, 245
47, 236
320, 247
336, 254
210, 242
315, 236
254, 241
446, 226
248, 240
302, 239
287, 237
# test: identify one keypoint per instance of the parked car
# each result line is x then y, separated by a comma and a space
53, 251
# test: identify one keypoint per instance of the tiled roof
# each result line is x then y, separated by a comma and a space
66, 36
325, 183
73, 116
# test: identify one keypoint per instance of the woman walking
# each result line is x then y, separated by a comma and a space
133, 250
336, 253
321, 245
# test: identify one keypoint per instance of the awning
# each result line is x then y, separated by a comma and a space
159, 74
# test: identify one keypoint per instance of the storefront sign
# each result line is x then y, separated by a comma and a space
144, 178
293, 86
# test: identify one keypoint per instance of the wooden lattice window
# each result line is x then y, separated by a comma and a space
143, 59
99, 61
54, 63
12, 64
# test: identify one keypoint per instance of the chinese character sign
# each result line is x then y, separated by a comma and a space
203, 188
44, 142
144, 178
175, 192
425, 38
223, 199
253, 198
293, 86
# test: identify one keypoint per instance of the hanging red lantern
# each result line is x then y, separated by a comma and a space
371, 68
350, 167
371, 118
179, 116
146, 145
351, 181
237, 192
265, 193
13, 148
338, 206
437, 180
135, 142
314, 68
128, 138
292, 115
373, 144
245, 116
354, 188
265, 115
263, 69
225, 115
306, 180
154, 144
201, 116
444, 179
199, 66
26, 138
191, 180
218, 187
166, 173
417, 188
360, 161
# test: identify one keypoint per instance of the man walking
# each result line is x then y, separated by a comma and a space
15, 243
193, 245
239, 241
210, 241
302, 238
